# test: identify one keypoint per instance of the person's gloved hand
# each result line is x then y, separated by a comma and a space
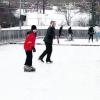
34, 50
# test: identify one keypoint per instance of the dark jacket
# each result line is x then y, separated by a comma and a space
91, 31
60, 30
50, 35
70, 31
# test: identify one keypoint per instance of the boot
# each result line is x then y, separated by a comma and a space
49, 61
41, 60
29, 69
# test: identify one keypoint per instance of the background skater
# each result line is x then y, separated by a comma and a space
70, 34
91, 33
60, 30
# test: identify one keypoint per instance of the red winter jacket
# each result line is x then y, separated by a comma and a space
29, 41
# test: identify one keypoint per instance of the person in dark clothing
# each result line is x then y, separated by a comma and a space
60, 30
70, 34
91, 33
59, 33
48, 39
29, 46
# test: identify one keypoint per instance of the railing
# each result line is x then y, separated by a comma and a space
8, 35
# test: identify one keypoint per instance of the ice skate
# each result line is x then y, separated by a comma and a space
49, 61
29, 69
41, 60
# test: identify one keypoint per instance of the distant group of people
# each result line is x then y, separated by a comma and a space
91, 31
70, 33
29, 44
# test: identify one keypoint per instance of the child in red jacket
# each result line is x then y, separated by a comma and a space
29, 45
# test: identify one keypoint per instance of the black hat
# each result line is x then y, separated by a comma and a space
33, 27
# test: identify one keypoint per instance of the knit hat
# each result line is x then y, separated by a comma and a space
33, 27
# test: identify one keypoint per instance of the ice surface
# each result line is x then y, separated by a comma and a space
74, 75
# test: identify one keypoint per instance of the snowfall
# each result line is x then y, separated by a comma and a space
73, 75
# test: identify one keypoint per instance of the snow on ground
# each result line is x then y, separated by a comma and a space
74, 75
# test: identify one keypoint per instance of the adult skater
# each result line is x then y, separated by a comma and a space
59, 33
48, 39
91, 33
60, 30
70, 34
29, 46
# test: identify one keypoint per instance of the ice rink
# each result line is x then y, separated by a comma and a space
73, 75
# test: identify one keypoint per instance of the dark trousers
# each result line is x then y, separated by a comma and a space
91, 37
47, 52
29, 57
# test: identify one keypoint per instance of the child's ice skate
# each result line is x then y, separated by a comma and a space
29, 69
